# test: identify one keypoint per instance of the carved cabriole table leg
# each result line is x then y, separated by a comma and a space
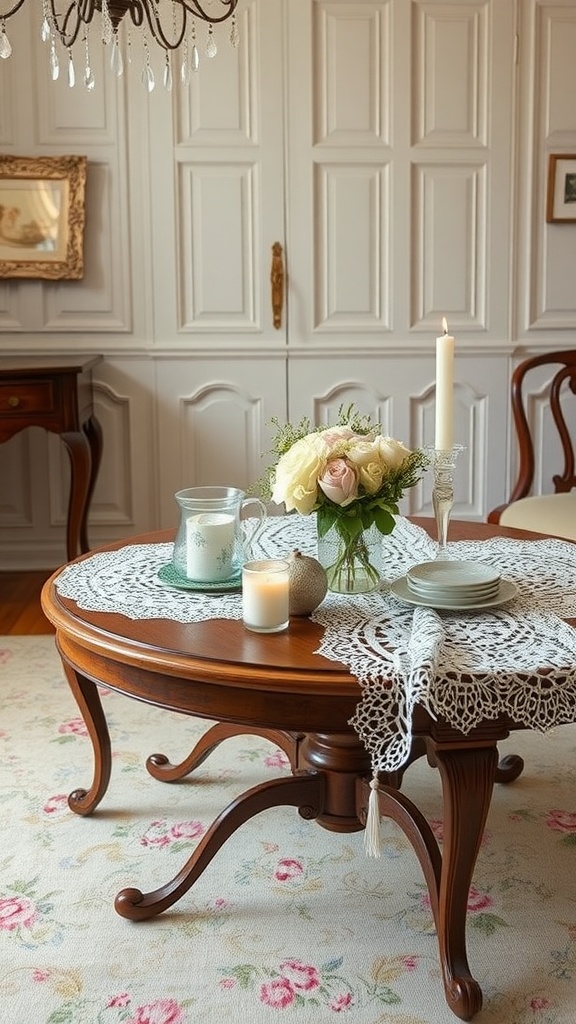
305, 790
468, 776
162, 769
87, 697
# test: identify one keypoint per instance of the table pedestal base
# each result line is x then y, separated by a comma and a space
331, 784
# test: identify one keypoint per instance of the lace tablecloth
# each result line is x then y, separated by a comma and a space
518, 659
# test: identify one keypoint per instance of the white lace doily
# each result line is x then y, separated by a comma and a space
519, 659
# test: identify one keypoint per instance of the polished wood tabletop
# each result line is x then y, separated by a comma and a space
276, 686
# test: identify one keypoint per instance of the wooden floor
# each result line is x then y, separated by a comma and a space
20, 610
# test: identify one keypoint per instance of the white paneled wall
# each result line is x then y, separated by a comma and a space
398, 152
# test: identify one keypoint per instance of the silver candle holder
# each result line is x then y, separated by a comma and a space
443, 462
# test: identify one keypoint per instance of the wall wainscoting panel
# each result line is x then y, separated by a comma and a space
458, 37
352, 248
449, 270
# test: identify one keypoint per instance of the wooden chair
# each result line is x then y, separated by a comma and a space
553, 513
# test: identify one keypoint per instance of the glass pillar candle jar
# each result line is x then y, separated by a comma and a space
218, 526
266, 595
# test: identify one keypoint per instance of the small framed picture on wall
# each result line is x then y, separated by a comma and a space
42, 216
561, 200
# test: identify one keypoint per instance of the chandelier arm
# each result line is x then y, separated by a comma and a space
155, 25
61, 22
195, 8
149, 12
13, 10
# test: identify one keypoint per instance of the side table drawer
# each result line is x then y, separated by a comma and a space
25, 398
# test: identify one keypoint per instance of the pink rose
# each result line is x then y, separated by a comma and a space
120, 1000
278, 993
302, 977
287, 869
478, 900
342, 1002
540, 1003
277, 760
56, 803
188, 830
162, 1011
155, 835
77, 726
561, 821
334, 435
339, 482
17, 911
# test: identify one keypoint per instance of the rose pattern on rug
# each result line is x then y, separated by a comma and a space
288, 922
293, 983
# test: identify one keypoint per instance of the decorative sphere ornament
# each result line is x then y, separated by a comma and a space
308, 583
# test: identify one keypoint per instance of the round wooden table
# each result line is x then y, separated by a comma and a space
275, 686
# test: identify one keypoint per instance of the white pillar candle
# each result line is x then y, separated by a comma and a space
266, 595
210, 546
444, 390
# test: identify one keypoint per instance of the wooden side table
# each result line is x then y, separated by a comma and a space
56, 394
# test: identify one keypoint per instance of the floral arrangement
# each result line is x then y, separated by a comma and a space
352, 477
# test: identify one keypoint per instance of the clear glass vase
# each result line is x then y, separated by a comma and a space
353, 565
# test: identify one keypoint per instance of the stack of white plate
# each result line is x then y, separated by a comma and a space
454, 586
454, 583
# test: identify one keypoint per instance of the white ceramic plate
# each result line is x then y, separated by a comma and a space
455, 597
401, 590
481, 592
452, 575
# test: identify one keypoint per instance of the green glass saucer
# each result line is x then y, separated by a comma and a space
170, 575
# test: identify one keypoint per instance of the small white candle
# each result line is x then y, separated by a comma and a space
444, 390
266, 595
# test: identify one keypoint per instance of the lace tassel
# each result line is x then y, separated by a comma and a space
372, 845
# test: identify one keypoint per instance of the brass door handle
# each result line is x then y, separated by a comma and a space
277, 284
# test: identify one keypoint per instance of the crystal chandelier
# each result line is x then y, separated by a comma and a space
170, 24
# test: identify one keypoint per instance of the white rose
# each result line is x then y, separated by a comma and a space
363, 452
393, 453
297, 472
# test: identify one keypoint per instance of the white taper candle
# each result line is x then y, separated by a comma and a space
444, 438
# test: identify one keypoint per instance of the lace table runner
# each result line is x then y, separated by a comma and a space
518, 659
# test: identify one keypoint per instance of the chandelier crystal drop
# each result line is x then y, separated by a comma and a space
170, 24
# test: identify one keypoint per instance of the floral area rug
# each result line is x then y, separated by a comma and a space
289, 923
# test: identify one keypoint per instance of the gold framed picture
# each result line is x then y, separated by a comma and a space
561, 200
42, 215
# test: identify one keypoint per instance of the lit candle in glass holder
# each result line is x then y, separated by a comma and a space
266, 595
